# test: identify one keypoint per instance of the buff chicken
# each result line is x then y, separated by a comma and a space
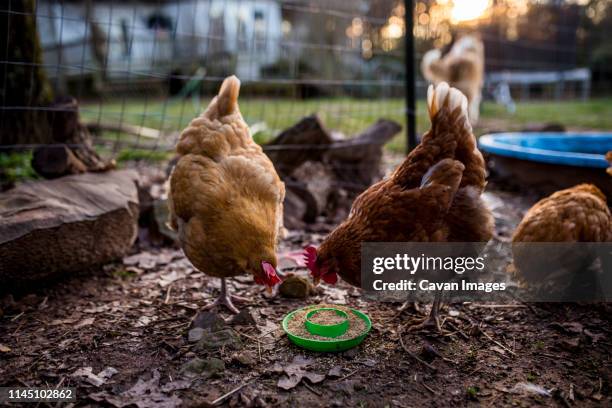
433, 196
226, 199
576, 215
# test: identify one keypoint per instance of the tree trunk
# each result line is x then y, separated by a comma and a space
24, 87
28, 117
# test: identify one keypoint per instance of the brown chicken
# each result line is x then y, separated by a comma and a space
433, 196
226, 200
577, 214
609, 159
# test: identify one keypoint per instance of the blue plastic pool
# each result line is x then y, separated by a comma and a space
566, 149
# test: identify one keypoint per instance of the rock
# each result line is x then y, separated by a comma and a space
195, 334
210, 367
208, 320
296, 287
55, 227
227, 338
244, 318
246, 358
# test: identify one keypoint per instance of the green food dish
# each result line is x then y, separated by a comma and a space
331, 345
327, 330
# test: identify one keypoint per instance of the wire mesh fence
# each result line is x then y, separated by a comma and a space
141, 70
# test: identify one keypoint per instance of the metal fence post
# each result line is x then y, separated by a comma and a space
411, 140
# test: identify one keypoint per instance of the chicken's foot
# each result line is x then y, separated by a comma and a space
406, 305
226, 299
433, 320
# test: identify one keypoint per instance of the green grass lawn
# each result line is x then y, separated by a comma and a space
345, 115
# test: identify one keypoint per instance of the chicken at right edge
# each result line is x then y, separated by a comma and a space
577, 214
433, 196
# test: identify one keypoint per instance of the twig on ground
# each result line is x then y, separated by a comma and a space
411, 354
312, 389
458, 330
17, 316
427, 387
348, 375
167, 299
259, 350
502, 306
491, 339
230, 393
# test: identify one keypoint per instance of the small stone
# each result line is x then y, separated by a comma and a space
246, 358
244, 318
296, 287
350, 354
210, 367
195, 334
369, 363
570, 344
215, 340
208, 320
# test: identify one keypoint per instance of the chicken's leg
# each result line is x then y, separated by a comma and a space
433, 320
225, 299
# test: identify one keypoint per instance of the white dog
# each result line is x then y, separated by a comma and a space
462, 67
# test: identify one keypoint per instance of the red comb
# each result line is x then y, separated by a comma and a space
271, 278
310, 257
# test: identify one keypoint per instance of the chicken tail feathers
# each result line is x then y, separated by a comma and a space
226, 102
443, 97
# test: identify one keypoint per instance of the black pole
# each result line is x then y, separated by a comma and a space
411, 140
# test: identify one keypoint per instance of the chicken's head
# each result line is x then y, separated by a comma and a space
267, 276
319, 268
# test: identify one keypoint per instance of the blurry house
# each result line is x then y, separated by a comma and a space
147, 40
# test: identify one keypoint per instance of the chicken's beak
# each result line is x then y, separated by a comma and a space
269, 290
316, 280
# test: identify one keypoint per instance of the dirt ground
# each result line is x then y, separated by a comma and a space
122, 335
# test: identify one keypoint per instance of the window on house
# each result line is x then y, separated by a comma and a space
259, 30
159, 22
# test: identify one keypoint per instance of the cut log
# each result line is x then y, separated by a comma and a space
306, 140
324, 172
294, 211
68, 134
313, 182
55, 227
56, 161
356, 161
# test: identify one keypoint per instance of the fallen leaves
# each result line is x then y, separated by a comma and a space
143, 394
296, 371
85, 322
86, 373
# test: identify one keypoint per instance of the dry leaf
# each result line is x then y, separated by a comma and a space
85, 322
